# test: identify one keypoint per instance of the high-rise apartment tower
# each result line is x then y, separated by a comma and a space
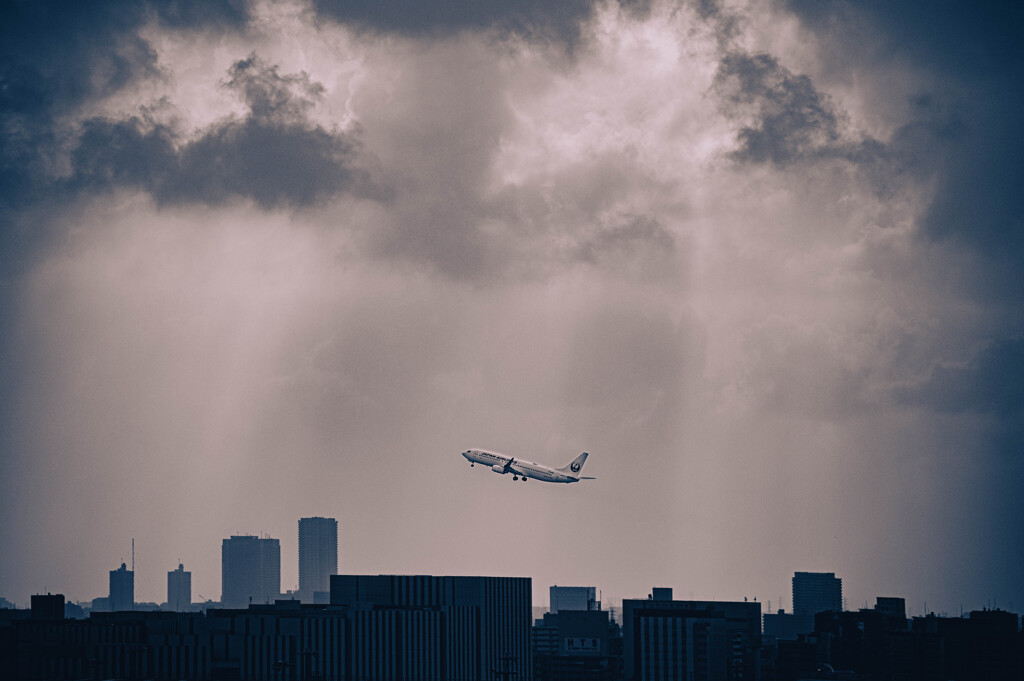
318, 558
250, 571
815, 592
179, 589
122, 589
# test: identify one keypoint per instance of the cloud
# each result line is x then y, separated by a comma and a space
533, 20
58, 56
990, 382
964, 105
274, 155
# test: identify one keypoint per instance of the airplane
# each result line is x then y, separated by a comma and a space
499, 463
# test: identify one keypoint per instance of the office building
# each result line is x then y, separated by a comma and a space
122, 589
694, 640
815, 592
179, 589
574, 645
573, 598
483, 622
48, 607
318, 558
250, 571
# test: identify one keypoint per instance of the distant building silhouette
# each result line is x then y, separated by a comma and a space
179, 589
318, 558
708, 640
48, 607
573, 598
785, 626
122, 589
575, 645
250, 571
459, 628
815, 592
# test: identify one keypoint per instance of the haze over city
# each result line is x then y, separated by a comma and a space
761, 259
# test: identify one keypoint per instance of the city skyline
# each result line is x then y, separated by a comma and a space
762, 259
816, 586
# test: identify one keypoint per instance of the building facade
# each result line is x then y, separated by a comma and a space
484, 624
122, 589
318, 558
250, 571
573, 598
179, 589
665, 639
815, 592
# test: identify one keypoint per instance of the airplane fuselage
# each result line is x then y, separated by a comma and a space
503, 464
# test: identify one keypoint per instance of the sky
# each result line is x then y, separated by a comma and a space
761, 258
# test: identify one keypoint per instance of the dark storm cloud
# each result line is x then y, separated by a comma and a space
992, 382
789, 120
274, 156
535, 20
57, 56
971, 110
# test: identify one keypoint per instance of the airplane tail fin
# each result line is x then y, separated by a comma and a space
576, 465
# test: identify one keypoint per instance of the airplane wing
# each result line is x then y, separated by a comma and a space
512, 467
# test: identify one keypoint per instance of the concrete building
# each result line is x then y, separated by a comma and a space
318, 558
573, 598
694, 640
815, 592
179, 589
122, 589
467, 627
574, 645
250, 571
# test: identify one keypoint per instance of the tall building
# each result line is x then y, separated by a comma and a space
122, 589
815, 592
318, 558
573, 598
250, 571
466, 627
696, 640
179, 589
573, 645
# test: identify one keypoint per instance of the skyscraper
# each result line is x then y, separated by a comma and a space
122, 589
815, 592
179, 589
318, 557
250, 571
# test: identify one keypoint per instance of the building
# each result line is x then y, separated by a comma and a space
785, 626
573, 598
318, 558
122, 589
48, 607
575, 645
464, 627
179, 589
693, 640
815, 592
250, 571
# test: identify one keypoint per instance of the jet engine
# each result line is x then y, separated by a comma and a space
498, 469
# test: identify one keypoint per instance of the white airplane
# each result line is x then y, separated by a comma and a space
499, 463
